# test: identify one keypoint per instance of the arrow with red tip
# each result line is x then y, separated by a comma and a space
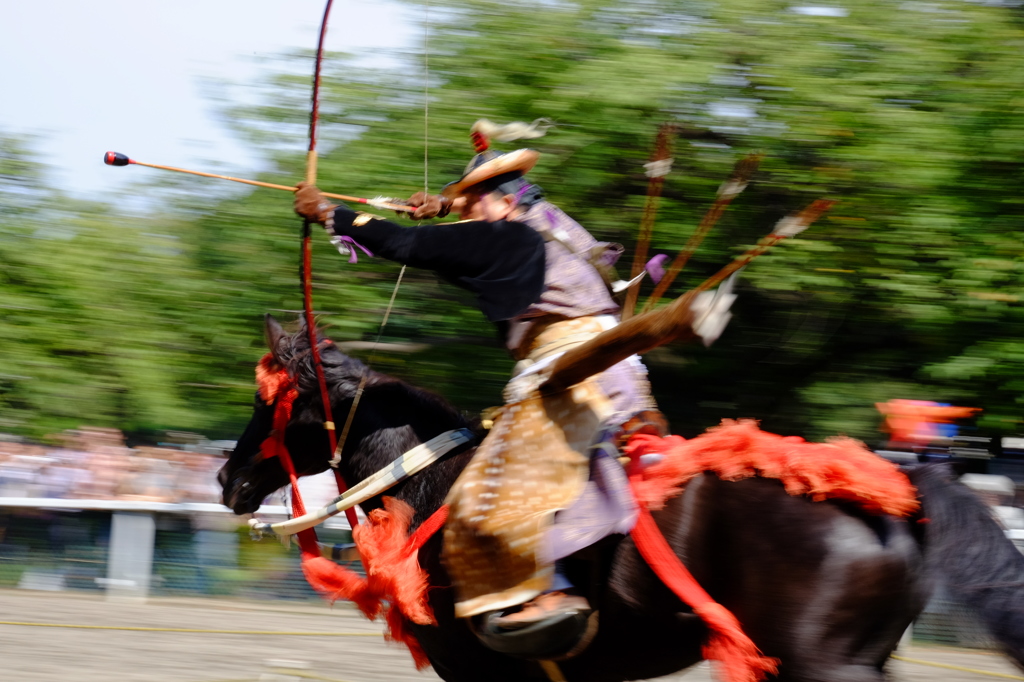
119, 159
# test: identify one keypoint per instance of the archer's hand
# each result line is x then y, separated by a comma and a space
311, 204
429, 206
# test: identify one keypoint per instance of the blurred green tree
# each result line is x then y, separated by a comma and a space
95, 309
909, 114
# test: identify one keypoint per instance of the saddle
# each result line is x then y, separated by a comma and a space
568, 632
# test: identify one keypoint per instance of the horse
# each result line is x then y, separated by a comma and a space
823, 586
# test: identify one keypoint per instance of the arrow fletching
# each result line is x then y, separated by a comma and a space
792, 225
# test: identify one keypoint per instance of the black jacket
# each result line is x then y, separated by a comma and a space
501, 262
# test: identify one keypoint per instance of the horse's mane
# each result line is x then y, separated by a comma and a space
343, 375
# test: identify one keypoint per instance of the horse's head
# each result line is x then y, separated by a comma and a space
249, 475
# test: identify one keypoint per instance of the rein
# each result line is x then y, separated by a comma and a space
277, 385
282, 389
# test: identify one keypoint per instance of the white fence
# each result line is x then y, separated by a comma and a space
133, 530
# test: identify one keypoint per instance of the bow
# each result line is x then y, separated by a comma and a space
307, 276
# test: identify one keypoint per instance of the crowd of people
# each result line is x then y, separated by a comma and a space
96, 464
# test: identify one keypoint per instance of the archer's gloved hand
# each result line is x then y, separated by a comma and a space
429, 206
311, 204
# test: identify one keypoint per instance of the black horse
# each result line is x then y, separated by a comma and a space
823, 586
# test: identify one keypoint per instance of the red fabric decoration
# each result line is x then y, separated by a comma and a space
335, 582
392, 560
396, 585
841, 469
739, 657
273, 445
325, 576
271, 377
398, 630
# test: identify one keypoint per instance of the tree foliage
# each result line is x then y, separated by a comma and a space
909, 114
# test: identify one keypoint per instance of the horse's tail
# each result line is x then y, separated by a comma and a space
966, 547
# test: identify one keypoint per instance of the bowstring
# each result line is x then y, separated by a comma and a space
336, 458
426, 94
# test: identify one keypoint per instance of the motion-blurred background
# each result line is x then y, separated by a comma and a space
130, 316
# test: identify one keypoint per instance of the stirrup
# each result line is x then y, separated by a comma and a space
558, 638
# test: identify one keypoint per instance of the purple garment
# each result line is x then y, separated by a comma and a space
627, 387
572, 287
606, 507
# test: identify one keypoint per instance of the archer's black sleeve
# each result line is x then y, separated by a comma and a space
502, 262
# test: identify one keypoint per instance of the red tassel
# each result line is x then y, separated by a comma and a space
392, 560
395, 586
336, 582
391, 557
271, 377
840, 469
480, 142
738, 658
399, 631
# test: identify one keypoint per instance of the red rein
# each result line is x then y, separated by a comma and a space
277, 386
395, 585
314, 349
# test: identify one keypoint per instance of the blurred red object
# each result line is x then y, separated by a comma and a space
913, 421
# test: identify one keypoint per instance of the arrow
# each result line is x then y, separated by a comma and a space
646, 331
726, 193
657, 169
118, 159
787, 228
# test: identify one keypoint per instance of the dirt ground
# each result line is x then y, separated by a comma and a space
51, 654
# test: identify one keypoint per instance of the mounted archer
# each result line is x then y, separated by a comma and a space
544, 484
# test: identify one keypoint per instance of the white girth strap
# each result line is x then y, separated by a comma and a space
413, 461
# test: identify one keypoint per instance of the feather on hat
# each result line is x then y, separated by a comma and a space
490, 163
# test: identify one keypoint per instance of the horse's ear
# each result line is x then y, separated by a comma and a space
277, 337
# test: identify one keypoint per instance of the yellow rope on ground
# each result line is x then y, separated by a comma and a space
192, 630
287, 672
303, 674
961, 668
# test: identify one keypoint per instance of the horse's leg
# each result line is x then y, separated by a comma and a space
856, 613
827, 589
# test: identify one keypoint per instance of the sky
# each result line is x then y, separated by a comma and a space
129, 75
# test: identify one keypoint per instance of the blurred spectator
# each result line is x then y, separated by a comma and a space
95, 463
920, 422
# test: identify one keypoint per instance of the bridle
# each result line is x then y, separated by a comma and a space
280, 388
